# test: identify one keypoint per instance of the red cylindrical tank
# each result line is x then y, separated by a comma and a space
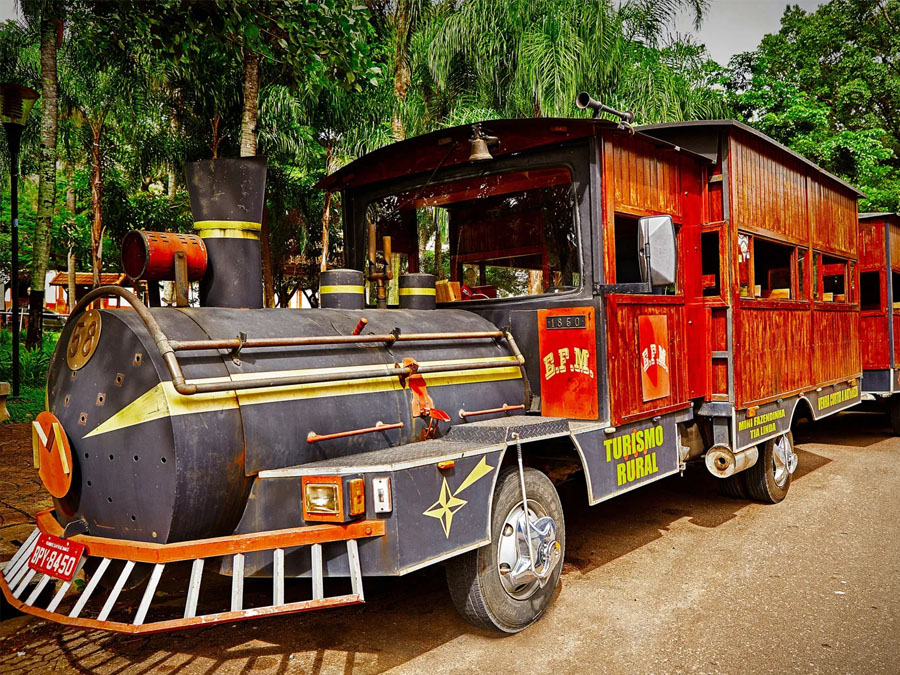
151, 255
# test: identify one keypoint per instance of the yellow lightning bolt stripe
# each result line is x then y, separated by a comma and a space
163, 401
480, 471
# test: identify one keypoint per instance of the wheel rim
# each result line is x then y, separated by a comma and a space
518, 577
781, 460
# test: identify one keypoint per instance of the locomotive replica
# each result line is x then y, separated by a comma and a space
629, 302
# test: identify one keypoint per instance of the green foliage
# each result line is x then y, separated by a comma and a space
538, 54
28, 406
827, 86
33, 363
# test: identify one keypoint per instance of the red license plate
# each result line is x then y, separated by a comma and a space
56, 557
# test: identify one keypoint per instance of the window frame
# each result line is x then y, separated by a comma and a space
574, 158
799, 286
881, 310
850, 274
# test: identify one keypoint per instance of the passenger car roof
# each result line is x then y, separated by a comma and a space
690, 135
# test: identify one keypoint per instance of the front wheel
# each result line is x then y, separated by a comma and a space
770, 478
506, 585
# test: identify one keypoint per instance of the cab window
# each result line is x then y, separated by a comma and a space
499, 236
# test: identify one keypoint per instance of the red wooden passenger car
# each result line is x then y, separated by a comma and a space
879, 283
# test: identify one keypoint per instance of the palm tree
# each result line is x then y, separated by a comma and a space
532, 57
102, 84
44, 15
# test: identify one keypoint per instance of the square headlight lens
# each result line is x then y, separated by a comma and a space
322, 498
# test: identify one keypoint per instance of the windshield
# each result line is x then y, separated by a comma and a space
499, 236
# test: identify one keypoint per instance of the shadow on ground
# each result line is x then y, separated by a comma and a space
409, 616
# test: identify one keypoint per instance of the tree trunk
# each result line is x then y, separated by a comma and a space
248, 149
438, 246
402, 76
40, 260
172, 178
251, 104
71, 262
96, 204
216, 139
326, 212
266, 253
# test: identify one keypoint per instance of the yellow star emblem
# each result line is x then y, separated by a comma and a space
448, 503
444, 508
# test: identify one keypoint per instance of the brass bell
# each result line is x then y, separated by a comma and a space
480, 143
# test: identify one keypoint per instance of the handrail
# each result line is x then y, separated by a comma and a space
235, 343
313, 437
490, 411
167, 349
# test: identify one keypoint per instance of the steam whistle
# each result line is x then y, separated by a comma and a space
584, 100
379, 273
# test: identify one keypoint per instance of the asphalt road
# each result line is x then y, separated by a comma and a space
672, 578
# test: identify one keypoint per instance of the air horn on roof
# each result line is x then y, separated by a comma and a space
584, 100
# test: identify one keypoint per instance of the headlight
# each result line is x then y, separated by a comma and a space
334, 499
322, 498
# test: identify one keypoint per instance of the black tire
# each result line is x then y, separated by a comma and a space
473, 577
760, 478
894, 414
733, 487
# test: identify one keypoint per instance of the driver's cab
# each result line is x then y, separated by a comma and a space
524, 237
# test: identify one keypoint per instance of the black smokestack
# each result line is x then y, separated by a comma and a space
227, 198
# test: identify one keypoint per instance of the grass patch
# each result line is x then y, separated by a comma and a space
27, 406
33, 365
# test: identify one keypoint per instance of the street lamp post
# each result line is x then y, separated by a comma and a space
16, 102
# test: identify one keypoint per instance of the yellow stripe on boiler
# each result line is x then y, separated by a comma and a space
163, 401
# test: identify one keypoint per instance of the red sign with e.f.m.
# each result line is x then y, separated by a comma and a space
568, 347
653, 337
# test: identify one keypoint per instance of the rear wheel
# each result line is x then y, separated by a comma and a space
894, 413
770, 478
497, 586
733, 487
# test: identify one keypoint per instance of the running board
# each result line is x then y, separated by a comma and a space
17, 578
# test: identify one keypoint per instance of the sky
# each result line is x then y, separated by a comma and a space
735, 26
731, 27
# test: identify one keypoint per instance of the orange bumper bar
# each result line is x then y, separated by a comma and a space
17, 581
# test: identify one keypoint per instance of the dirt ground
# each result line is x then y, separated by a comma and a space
672, 578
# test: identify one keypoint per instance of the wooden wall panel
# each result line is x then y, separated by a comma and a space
875, 346
895, 242
626, 398
768, 189
771, 353
645, 178
836, 348
896, 320
871, 244
833, 216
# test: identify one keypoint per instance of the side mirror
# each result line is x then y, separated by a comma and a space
656, 250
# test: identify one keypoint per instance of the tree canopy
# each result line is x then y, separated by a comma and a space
147, 85
828, 86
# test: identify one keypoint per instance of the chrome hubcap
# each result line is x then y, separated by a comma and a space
520, 578
783, 459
